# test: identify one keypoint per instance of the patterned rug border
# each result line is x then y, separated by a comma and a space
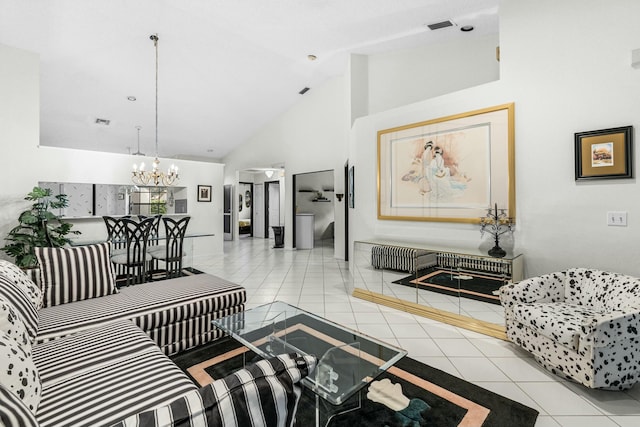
477, 413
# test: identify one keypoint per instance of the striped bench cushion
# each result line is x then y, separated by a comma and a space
106, 391
76, 273
151, 305
400, 258
265, 393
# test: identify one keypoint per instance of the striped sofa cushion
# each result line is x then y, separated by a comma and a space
155, 306
18, 297
23, 280
13, 412
75, 274
83, 386
263, 394
60, 359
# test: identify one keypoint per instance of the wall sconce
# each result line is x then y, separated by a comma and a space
339, 196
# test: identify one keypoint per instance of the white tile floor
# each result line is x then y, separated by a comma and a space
315, 281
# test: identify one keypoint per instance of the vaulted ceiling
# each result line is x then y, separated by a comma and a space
226, 67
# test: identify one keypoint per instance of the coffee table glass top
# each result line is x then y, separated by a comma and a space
347, 359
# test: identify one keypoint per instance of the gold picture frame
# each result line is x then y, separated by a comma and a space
449, 169
605, 153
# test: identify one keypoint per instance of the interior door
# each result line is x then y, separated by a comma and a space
227, 214
273, 196
258, 211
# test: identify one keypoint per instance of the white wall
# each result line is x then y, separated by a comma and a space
566, 65
311, 136
406, 76
26, 163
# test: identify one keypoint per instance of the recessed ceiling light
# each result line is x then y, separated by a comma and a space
209, 150
303, 91
104, 122
131, 98
312, 57
466, 28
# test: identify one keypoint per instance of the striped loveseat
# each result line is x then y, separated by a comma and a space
76, 351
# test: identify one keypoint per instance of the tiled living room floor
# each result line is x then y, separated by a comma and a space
317, 282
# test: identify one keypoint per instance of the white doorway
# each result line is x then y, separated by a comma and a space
273, 205
258, 211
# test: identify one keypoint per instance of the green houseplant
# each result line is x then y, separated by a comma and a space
38, 226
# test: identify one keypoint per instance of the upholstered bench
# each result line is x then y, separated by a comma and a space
401, 258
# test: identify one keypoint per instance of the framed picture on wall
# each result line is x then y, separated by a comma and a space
448, 169
204, 193
351, 194
605, 153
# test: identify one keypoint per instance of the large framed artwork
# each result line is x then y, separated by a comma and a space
448, 169
605, 153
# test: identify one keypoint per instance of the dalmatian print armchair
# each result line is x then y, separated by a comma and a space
581, 324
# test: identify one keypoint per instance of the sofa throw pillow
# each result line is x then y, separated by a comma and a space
13, 412
18, 298
18, 373
263, 394
21, 279
11, 324
75, 274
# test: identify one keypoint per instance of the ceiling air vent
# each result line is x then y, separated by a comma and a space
104, 122
438, 25
303, 91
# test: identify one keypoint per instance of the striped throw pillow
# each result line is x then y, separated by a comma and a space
13, 411
75, 274
263, 394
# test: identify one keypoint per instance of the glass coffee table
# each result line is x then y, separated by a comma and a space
347, 359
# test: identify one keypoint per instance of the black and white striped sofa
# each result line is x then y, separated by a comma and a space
94, 355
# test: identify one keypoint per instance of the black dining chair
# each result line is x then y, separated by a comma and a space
154, 237
116, 237
171, 252
135, 259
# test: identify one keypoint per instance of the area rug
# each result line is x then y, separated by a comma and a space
468, 285
436, 397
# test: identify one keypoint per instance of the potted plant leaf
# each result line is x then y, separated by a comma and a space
38, 226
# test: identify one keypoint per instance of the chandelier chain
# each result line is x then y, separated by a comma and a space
155, 176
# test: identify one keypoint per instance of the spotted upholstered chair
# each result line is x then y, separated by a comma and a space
581, 324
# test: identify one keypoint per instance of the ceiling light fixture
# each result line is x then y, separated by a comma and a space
466, 28
138, 153
155, 176
312, 57
131, 98
268, 173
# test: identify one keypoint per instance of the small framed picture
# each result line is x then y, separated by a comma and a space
606, 153
204, 193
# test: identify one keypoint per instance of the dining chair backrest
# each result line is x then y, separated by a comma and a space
174, 240
115, 232
135, 259
136, 235
155, 229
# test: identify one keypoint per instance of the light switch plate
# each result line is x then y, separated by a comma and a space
617, 219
